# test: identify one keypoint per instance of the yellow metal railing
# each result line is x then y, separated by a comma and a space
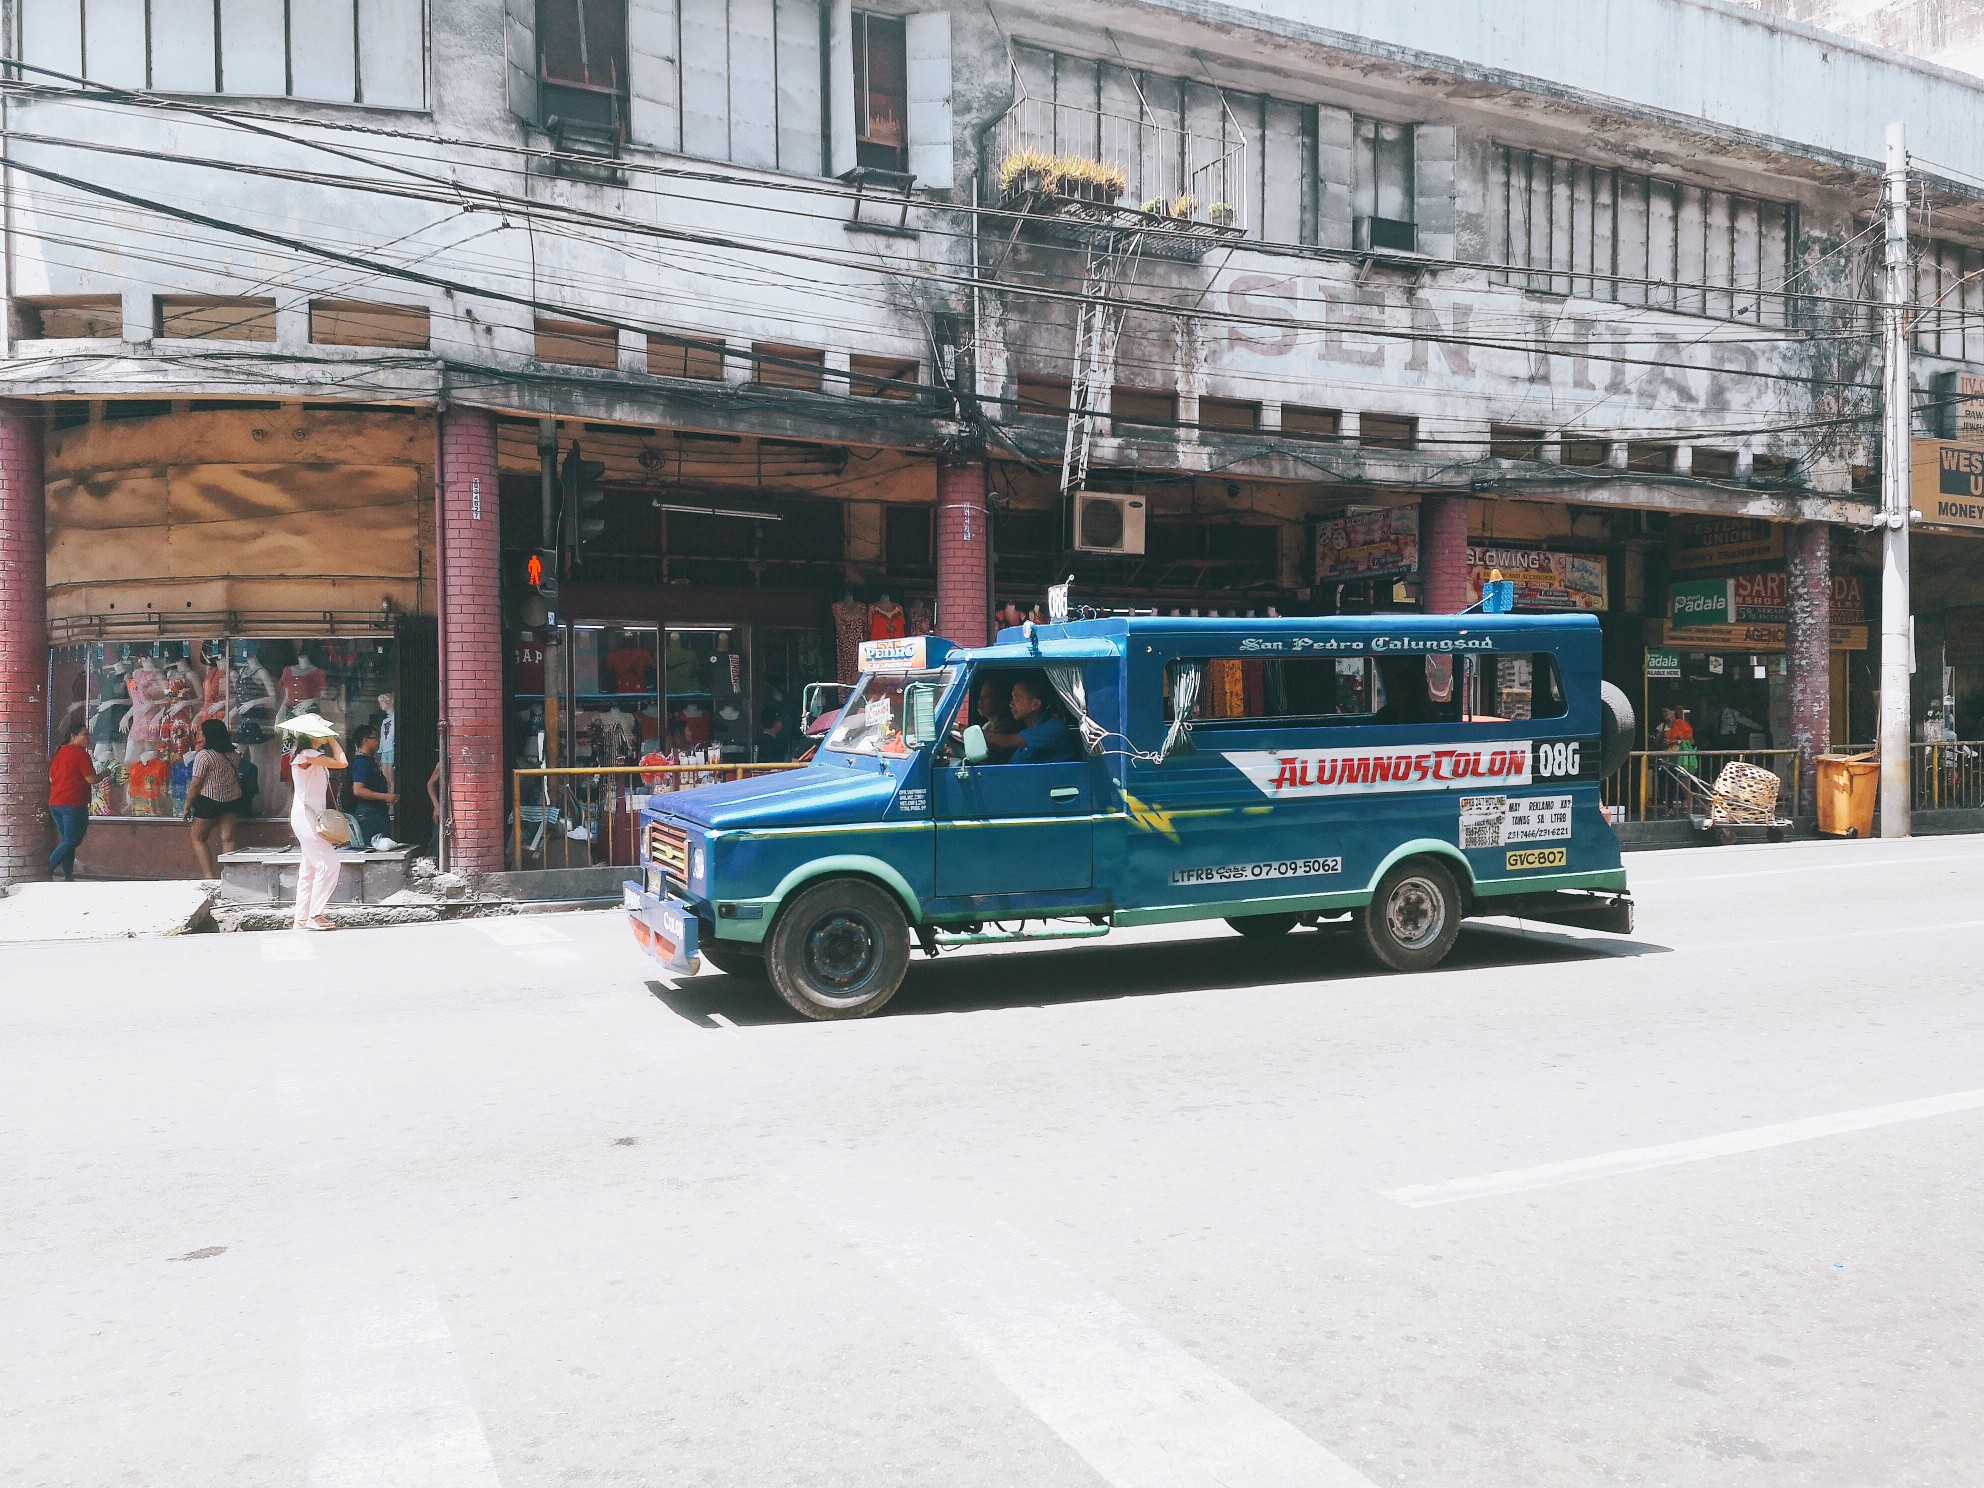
1651, 788
1945, 776
592, 812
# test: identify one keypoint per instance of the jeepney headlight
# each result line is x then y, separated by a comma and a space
653, 875
696, 863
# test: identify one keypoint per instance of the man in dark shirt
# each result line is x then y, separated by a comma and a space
1043, 736
773, 747
372, 795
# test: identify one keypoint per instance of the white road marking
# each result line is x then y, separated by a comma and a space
386, 1393
1638, 1159
1139, 1410
519, 932
286, 945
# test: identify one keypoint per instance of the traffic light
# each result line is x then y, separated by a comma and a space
541, 574
584, 500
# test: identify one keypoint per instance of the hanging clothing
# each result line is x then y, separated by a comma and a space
148, 787
886, 624
850, 630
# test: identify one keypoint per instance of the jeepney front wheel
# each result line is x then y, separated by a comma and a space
838, 949
1412, 921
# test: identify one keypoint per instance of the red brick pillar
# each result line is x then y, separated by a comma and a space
1443, 554
24, 839
964, 554
1808, 648
471, 625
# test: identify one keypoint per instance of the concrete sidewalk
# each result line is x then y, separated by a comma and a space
120, 910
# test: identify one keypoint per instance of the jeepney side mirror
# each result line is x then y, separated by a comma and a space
976, 750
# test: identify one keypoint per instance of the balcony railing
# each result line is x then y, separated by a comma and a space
1178, 182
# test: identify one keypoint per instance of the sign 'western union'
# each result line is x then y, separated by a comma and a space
1947, 483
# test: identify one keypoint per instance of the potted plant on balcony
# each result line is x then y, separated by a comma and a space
1221, 214
1028, 172
1182, 207
1091, 180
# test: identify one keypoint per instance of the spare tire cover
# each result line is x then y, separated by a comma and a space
1616, 732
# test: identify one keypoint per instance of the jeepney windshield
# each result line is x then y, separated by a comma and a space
891, 713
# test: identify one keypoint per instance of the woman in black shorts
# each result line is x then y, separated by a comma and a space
213, 796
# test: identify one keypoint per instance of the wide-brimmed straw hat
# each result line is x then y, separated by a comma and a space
310, 725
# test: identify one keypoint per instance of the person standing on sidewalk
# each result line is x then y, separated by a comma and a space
71, 778
310, 775
213, 795
372, 794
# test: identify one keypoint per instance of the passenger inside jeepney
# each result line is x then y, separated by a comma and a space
1041, 736
991, 707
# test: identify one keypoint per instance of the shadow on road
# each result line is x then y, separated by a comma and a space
1099, 972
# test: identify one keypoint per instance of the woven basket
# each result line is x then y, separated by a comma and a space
1744, 793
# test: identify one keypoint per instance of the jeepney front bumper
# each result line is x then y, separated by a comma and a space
664, 927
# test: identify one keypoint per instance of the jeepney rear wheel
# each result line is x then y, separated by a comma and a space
1412, 921
1265, 926
838, 949
734, 959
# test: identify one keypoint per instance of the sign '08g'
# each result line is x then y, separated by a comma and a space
1416, 767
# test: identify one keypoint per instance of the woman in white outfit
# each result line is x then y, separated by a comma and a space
310, 774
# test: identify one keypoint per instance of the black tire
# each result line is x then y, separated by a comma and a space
1616, 725
1412, 921
838, 949
735, 959
1264, 926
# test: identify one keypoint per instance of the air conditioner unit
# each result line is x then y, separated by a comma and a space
1108, 523
1385, 233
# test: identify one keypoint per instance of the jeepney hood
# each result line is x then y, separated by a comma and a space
817, 795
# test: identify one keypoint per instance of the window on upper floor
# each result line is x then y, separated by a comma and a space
70, 318
329, 51
1229, 413
1650, 458
582, 72
1584, 453
576, 343
1043, 396
1514, 442
1135, 405
800, 368
1386, 186
1949, 288
882, 377
700, 359
1390, 431
358, 323
1563, 227
1301, 422
213, 318
881, 92
1714, 464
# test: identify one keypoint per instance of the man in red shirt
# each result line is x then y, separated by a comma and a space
71, 778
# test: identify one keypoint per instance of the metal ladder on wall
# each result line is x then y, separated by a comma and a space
1111, 255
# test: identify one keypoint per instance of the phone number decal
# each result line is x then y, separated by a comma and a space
1253, 872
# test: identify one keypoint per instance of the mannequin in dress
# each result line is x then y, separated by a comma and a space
302, 682
150, 692
850, 630
885, 621
389, 751
922, 618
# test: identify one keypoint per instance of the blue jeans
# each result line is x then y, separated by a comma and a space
71, 822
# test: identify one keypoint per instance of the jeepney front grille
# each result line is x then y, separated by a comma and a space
668, 848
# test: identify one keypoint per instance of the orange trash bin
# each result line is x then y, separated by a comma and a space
1847, 786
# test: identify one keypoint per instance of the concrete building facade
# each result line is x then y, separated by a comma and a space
574, 382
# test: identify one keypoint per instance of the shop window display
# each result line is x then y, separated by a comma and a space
144, 702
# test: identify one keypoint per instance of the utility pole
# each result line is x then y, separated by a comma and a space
1896, 622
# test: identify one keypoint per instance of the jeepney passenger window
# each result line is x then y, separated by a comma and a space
1316, 689
1508, 687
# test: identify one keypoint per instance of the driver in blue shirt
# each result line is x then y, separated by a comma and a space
1043, 736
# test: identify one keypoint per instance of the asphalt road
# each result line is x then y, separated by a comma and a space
479, 1204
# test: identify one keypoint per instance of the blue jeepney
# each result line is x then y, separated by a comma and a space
1405, 771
